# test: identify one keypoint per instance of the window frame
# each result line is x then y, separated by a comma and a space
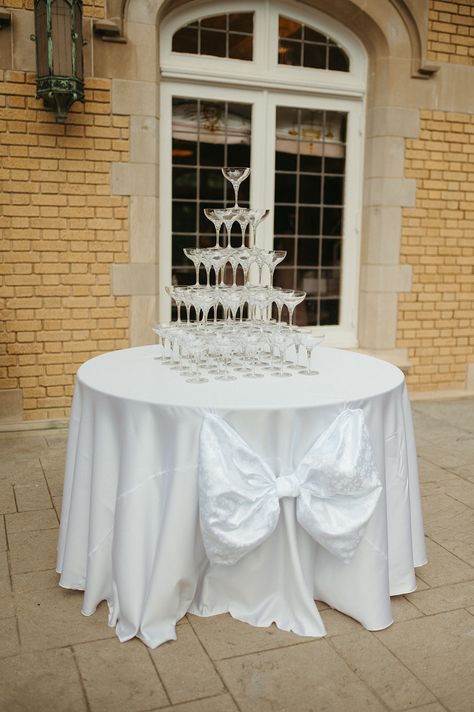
266, 85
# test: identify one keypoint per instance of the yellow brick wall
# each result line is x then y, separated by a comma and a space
62, 229
91, 8
451, 31
436, 319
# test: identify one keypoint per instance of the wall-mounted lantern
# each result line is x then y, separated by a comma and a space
59, 64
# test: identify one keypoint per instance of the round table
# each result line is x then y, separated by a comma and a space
130, 531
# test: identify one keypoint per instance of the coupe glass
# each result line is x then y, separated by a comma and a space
278, 296
186, 294
255, 218
271, 260
230, 216
164, 332
291, 301
219, 261
207, 261
225, 347
309, 342
253, 344
215, 216
203, 301
231, 299
244, 256
243, 220
282, 342
235, 176
197, 349
176, 293
195, 255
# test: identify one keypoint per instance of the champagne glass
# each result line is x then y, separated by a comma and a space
197, 348
176, 294
164, 332
229, 217
215, 216
235, 175
282, 341
195, 255
207, 260
253, 344
309, 342
278, 296
272, 259
244, 257
291, 301
243, 220
226, 348
255, 218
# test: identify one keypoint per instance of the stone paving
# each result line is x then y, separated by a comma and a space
54, 659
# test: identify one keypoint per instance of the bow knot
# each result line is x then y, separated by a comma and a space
288, 486
336, 486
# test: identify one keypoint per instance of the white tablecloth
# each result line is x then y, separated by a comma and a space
130, 530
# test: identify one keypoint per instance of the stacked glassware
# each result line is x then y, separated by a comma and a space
246, 341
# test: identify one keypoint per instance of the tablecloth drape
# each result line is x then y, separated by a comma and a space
130, 530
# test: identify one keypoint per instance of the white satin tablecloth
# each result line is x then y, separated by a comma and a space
130, 527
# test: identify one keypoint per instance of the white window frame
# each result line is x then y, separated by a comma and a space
265, 84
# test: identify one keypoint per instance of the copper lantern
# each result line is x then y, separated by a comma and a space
60, 71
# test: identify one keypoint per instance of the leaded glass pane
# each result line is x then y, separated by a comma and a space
206, 136
228, 36
309, 204
302, 46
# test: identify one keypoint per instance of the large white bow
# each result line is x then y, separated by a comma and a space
336, 485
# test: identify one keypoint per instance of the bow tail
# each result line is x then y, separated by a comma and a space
337, 523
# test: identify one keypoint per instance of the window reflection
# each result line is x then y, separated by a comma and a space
301, 46
309, 195
229, 36
206, 136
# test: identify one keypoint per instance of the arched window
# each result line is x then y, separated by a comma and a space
280, 88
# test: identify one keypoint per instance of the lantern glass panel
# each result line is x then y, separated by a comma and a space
42, 39
62, 40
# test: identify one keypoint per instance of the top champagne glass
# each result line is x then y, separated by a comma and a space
235, 176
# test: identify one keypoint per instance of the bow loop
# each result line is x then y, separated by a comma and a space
336, 486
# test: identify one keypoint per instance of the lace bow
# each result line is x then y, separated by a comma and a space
336, 486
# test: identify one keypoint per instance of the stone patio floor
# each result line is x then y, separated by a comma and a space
53, 658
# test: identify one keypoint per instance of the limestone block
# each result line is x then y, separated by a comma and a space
134, 179
385, 157
132, 97
454, 89
144, 40
11, 406
378, 320
390, 191
143, 222
143, 139
393, 121
382, 230
470, 376
114, 60
144, 11
133, 279
386, 278
23, 26
142, 316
